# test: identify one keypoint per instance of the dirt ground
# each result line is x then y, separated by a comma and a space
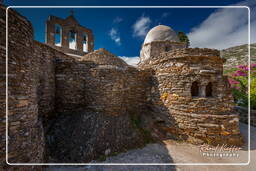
174, 152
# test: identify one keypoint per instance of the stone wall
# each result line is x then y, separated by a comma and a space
95, 96
25, 133
2, 86
45, 65
85, 106
61, 81
70, 83
96, 100
153, 49
197, 119
111, 85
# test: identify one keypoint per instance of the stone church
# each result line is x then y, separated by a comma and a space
69, 103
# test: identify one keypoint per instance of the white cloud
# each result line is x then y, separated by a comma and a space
225, 28
131, 60
117, 20
141, 26
114, 35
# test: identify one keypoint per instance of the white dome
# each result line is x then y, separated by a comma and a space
161, 32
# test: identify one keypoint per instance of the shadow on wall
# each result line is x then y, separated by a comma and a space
158, 119
104, 126
92, 135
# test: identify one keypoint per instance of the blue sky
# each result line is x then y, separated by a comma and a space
122, 31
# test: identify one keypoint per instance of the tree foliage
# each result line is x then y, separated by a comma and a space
183, 38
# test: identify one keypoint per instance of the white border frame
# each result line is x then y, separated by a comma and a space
69, 164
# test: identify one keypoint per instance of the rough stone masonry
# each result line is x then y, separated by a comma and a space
67, 105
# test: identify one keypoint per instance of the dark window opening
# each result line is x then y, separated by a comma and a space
167, 49
208, 90
195, 89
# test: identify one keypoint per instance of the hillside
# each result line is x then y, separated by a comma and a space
238, 55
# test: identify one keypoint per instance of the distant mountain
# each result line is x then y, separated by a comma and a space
238, 55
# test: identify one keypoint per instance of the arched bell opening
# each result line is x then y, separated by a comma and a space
57, 35
72, 37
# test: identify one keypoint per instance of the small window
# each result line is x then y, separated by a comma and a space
57, 35
208, 90
167, 48
72, 39
195, 89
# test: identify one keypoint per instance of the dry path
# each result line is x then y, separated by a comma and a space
173, 152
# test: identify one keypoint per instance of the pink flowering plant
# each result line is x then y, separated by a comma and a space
238, 80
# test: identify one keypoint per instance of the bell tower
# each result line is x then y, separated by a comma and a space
68, 36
